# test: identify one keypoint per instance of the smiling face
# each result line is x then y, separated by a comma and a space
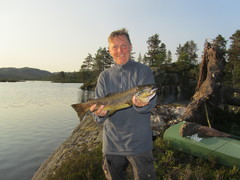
120, 49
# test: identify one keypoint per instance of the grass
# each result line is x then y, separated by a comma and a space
85, 165
173, 164
170, 164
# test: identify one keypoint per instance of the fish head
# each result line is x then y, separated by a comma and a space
146, 92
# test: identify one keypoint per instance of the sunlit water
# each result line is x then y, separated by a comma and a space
35, 118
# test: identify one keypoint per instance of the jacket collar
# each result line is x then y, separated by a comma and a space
119, 66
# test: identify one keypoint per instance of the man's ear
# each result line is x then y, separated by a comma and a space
131, 48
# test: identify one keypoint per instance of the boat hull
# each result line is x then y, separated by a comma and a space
224, 150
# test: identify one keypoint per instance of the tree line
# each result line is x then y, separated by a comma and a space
157, 57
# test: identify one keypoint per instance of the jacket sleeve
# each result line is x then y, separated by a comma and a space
100, 92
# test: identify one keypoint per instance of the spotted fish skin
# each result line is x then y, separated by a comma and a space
117, 101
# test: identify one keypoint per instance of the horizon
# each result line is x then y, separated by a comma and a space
58, 35
35, 68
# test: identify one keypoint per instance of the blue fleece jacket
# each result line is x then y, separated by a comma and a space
127, 131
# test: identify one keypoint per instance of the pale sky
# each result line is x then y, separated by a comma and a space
57, 35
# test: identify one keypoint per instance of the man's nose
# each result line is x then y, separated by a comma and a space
120, 49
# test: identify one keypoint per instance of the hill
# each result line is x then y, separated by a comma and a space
25, 73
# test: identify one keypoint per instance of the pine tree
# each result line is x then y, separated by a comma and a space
187, 54
169, 57
234, 56
221, 43
102, 60
87, 63
140, 59
156, 54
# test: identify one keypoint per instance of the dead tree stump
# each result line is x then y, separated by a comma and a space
207, 94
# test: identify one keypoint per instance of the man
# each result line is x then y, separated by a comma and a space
127, 134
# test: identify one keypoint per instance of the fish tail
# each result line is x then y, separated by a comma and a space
80, 109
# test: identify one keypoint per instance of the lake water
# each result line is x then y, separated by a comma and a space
35, 118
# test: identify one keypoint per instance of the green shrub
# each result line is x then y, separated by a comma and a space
81, 165
173, 164
170, 164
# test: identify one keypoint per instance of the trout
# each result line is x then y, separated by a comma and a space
117, 101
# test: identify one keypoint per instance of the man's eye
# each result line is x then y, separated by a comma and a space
123, 46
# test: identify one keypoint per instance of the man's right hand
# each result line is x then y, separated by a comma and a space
99, 112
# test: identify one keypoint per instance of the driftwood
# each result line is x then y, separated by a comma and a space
191, 128
210, 92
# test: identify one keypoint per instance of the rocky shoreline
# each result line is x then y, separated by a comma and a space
89, 134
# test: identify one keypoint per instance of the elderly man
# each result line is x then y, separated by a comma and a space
127, 134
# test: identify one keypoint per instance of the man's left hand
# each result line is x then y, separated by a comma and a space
137, 102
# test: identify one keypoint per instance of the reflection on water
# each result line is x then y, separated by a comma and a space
85, 95
35, 118
180, 98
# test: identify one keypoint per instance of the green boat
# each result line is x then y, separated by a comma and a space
224, 150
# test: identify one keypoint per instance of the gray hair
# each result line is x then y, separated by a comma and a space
120, 32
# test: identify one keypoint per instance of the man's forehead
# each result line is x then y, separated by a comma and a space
121, 38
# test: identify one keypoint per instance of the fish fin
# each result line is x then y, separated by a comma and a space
110, 94
79, 108
129, 102
111, 112
91, 99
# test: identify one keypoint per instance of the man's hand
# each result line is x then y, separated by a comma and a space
99, 112
138, 103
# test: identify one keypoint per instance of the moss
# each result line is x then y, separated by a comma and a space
174, 164
81, 165
170, 163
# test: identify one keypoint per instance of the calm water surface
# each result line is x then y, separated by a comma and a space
35, 118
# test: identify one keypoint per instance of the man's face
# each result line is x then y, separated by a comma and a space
120, 49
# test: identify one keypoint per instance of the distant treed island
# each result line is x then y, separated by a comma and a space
21, 74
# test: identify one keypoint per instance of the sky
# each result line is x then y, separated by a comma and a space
57, 35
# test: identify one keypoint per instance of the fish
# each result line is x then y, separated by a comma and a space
116, 101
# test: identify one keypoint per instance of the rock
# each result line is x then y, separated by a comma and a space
164, 116
89, 133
